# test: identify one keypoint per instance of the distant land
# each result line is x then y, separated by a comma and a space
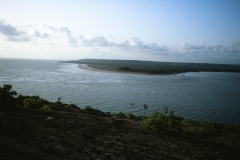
151, 67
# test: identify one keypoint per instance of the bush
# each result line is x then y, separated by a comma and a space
120, 115
130, 116
189, 122
88, 108
162, 123
35, 102
47, 107
71, 106
49, 118
7, 96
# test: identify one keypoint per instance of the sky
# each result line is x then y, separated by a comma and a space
202, 31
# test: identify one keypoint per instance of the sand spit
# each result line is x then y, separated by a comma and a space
86, 67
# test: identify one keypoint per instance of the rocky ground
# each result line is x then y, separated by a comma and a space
45, 134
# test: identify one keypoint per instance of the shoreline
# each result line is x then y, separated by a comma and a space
86, 67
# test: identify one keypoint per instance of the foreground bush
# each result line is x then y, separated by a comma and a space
35, 102
7, 96
162, 123
169, 123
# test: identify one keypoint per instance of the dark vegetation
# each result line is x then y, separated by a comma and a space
149, 67
34, 128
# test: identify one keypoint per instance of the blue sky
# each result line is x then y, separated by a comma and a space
158, 30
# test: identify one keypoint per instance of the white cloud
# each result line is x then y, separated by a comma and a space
8, 29
12, 33
18, 39
127, 43
62, 36
188, 48
65, 29
73, 41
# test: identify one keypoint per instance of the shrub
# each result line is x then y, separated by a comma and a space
88, 108
213, 128
189, 122
47, 107
162, 123
130, 116
49, 118
120, 115
7, 96
35, 102
71, 106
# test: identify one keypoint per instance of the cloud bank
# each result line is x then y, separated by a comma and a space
127, 43
47, 34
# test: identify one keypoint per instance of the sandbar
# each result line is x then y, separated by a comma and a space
86, 67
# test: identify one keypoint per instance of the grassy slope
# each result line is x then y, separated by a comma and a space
91, 134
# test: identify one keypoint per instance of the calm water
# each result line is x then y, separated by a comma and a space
199, 96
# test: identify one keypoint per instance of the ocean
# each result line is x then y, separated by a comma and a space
197, 95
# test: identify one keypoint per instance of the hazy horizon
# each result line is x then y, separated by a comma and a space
163, 31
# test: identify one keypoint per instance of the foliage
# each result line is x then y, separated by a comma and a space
130, 116
88, 108
35, 102
162, 123
120, 115
49, 118
7, 96
224, 131
189, 122
124, 69
47, 107
71, 106
156, 67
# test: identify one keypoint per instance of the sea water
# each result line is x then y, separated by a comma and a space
200, 96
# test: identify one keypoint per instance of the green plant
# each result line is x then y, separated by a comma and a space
162, 123
120, 115
35, 102
47, 107
7, 96
189, 122
213, 128
88, 108
130, 116
71, 106
49, 118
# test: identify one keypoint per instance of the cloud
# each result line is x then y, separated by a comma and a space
19, 39
9, 30
47, 34
65, 29
188, 48
203, 48
41, 35
127, 43
50, 28
233, 48
12, 33
72, 41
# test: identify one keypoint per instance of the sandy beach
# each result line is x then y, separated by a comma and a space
86, 67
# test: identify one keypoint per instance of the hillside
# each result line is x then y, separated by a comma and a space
34, 128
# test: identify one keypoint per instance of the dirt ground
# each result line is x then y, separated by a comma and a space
42, 134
